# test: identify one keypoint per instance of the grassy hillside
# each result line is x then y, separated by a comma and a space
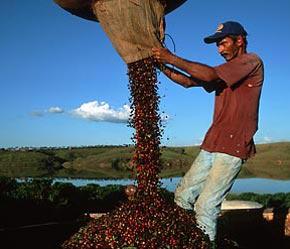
271, 161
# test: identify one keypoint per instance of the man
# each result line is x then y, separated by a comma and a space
229, 141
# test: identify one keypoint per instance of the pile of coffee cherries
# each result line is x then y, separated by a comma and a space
147, 221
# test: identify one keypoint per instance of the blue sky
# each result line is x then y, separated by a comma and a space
63, 84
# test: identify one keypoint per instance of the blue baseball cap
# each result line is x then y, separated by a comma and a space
225, 29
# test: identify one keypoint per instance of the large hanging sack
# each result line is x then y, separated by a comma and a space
133, 26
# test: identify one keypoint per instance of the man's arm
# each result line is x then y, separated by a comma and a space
178, 77
184, 80
196, 70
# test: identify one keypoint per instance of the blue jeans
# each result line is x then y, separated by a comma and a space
205, 185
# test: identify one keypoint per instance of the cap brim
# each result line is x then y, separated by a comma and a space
214, 38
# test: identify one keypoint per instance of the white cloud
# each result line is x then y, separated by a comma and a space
267, 139
198, 141
37, 113
264, 140
102, 112
55, 109
98, 112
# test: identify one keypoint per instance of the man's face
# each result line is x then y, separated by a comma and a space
228, 48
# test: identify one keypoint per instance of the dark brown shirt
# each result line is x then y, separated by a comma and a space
236, 108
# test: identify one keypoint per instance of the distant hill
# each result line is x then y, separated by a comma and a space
271, 161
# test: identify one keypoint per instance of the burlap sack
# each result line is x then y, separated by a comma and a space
133, 26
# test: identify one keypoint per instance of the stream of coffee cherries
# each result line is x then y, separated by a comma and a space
148, 221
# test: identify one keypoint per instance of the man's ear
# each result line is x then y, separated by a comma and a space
240, 40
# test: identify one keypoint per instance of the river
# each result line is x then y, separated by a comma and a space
256, 185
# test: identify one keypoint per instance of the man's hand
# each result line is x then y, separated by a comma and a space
162, 55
